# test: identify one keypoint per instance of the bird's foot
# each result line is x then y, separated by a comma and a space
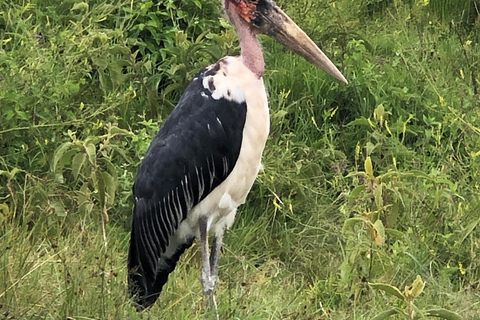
209, 283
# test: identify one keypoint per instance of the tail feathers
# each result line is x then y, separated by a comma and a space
145, 285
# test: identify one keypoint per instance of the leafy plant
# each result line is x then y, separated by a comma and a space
90, 165
407, 298
365, 185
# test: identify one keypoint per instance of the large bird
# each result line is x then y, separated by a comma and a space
202, 163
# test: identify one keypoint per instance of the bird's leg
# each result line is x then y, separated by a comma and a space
215, 256
210, 263
207, 282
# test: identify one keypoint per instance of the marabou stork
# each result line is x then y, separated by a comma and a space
203, 161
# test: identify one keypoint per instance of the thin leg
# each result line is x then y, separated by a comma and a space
211, 306
207, 281
217, 317
215, 256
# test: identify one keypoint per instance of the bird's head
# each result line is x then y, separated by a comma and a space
265, 17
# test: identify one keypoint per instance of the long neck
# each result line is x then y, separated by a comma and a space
251, 52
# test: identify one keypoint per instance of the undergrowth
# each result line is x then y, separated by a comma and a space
368, 204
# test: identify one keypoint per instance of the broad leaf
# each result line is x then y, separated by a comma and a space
444, 313
58, 154
394, 291
386, 314
77, 163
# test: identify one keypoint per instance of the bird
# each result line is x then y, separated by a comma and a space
206, 156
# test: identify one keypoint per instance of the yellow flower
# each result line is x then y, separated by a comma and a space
442, 101
460, 268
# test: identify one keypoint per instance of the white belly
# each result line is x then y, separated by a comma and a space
221, 204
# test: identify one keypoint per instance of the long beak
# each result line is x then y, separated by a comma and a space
272, 21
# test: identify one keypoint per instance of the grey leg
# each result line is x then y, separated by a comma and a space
215, 256
207, 281
210, 263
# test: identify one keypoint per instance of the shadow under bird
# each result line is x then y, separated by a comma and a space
202, 163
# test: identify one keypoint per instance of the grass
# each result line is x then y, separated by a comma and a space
365, 186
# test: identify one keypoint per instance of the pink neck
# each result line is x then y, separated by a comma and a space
251, 52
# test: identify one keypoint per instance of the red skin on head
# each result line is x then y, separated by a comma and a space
246, 9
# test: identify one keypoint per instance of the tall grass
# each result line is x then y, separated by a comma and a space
365, 186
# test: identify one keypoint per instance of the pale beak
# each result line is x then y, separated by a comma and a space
272, 21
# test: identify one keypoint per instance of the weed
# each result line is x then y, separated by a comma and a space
367, 188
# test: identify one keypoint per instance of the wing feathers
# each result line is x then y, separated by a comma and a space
194, 151
168, 208
157, 229
148, 263
201, 182
177, 205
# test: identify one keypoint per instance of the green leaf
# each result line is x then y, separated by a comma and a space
379, 112
100, 186
198, 3
380, 229
360, 121
112, 170
118, 131
417, 286
77, 163
84, 200
369, 167
468, 230
345, 271
66, 159
394, 232
385, 314
58, 208
91, 153
349, 223
393, 215
369, 147
354, 194
58, 154
443, 313
121, 152
81, 6
110, 187
388, 289
378, 195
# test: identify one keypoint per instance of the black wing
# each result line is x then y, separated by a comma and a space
194, 151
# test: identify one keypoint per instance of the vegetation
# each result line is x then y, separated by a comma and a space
368, 204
